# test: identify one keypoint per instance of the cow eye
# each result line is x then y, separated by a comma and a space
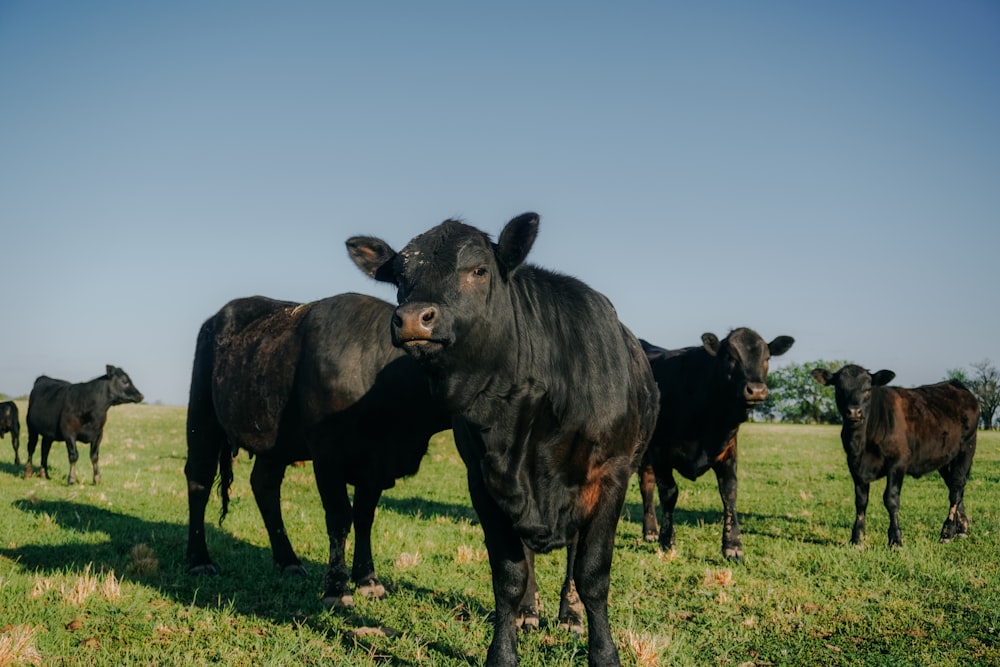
479, 271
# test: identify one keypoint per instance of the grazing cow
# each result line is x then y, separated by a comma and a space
59, 410
10, 423
706, 392
290, 382
553, 404
891, 432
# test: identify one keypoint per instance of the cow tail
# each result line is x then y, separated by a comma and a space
225, 480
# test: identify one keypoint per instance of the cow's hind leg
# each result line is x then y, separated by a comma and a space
31, 444
14, 441
667, 487
647, 485
363, 566
74, 456
571, 609
529, 611
333, 490
893, 485
46, 448
265, 480
95, 451
955, 475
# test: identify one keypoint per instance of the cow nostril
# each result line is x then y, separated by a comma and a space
427, 316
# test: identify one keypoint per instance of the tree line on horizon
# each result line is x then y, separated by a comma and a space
795, 397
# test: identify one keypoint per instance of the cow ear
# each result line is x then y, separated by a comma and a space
821, 375
652, 351
110, 370
780, 345
711, 343
882, 378
373, 256
516, 240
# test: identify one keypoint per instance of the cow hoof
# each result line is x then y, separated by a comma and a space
334, 603
651, 536
573, 626
373, 590
294, 570
733, 553
207, 569
527, 620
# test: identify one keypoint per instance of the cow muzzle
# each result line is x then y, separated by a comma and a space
414, 325
754, 393
855, 414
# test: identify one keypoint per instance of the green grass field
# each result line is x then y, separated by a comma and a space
97, 576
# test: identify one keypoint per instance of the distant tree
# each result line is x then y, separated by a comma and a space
794, 396
984, 382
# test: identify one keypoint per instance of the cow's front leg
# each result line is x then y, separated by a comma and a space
363, 568
333, 491
725, 473
860, 508
265, 480
17, 446
667, 487
893, 485
647, 484
592, 573
32, 443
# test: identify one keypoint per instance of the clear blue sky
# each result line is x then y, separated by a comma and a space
829, 171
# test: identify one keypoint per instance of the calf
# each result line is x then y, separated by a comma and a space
706, 392
59, 410
891, 432
552, 397
290, 382
10, 423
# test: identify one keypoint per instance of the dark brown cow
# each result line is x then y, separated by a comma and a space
891, 432
11, 423
290, 382
553, 400
706, 392
74, 412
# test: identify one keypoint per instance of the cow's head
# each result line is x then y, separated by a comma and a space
446, 279
743, 358
121, 388
852, 386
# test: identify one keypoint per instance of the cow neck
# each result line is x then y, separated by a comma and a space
854, 438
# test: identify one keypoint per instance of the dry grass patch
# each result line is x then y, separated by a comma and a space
17, 646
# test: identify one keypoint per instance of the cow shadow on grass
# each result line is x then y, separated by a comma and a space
248, 582
12, 469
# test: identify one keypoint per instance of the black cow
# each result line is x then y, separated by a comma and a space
59, 410
891, 432
290, 382
553, 400
10, 423
706, 392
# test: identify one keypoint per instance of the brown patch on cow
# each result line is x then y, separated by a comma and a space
727, 453
592, 489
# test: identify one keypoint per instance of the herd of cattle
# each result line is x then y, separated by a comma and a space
553, 403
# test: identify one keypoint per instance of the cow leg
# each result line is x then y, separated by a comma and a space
647, 482
74, 455
529, 610
860, 508
363, 567
592, 573
667, 487
46, 447
571, 608
725, 474
339, 516
31, 444
893, 484
17, 445
95, 451
955, 475
265, 480
200, 469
